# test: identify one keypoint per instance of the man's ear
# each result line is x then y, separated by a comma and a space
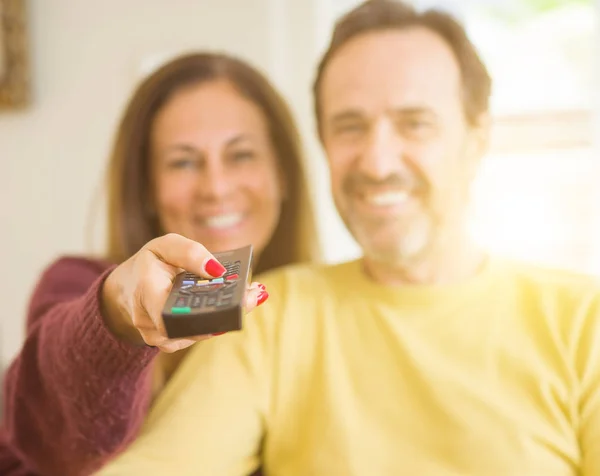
478, 142
481, 131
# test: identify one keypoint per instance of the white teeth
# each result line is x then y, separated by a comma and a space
387, 198
223, 221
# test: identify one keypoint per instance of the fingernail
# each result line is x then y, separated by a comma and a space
214, 268
262, 297
262, 286
219, 333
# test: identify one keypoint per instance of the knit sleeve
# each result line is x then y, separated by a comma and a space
75, 395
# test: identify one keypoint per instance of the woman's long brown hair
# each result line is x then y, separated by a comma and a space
131, 222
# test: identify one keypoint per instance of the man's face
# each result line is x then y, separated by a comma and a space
400, 151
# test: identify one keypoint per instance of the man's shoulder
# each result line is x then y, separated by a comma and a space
308, 275
556, 284
300, 296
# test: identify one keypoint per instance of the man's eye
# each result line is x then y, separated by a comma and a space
418, 128
417, 124
350, 128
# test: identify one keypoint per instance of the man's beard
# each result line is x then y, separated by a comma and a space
396, 244
398, 240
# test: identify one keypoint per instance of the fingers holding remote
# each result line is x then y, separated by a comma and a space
187, 254
134, 293
256, 294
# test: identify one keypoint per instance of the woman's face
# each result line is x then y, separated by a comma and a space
215, 173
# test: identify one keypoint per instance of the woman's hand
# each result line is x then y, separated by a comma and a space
134, 294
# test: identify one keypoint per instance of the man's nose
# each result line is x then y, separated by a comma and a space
383, 151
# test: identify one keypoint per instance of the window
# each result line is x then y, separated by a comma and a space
535, 197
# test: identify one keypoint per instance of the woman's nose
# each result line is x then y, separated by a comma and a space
215, 183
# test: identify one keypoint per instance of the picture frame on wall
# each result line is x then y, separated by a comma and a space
14, 55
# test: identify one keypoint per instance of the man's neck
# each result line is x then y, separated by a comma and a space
449, 264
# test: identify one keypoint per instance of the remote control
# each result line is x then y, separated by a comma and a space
200, 306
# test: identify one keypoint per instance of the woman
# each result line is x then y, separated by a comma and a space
206, 158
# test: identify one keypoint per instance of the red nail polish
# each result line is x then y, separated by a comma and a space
219, 333
262, 286
214, 268
262, 297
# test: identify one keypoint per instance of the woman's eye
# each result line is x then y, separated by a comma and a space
243, 155
182, 164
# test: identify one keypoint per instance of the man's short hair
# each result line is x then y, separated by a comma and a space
377, 15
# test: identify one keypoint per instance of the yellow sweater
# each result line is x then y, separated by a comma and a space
336, 375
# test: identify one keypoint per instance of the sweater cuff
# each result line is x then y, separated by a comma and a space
108, 355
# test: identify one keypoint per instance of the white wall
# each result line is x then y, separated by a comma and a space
85, 59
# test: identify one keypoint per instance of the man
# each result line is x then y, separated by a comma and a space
426, 356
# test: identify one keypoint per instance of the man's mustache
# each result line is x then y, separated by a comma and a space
356, 183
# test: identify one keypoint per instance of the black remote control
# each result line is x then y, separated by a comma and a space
200, 306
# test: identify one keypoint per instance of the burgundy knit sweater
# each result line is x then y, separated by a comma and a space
74, 396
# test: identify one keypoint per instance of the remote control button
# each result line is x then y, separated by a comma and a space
181, 301
184, 292
225, 299
211, 300
186, 282
181, 310
197, 301
199, 289
227, 285
232, 277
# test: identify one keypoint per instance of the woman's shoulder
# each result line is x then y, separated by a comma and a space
79, 264
73, 270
